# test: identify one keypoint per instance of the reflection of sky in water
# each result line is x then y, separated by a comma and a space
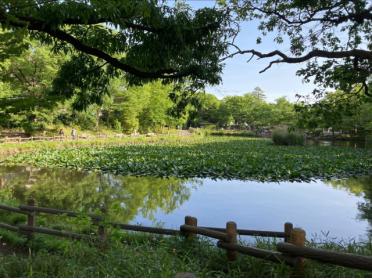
314, 206
317, 206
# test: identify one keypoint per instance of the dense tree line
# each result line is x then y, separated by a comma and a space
30, 101
338, 111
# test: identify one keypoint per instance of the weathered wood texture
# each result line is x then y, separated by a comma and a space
297, 238
288, 228
9, 227
190, 221
145, 229
53, 232
12, 209
338, 258
232, 238
31, 218
251, 232
205, 232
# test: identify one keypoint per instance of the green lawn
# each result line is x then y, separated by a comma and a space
213, 157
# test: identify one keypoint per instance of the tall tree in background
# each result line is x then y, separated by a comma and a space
144, 40
334, 37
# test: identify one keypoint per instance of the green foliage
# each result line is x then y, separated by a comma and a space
215, 157
139, 108
285, 137
141, 40
339, 111
248, 112
122, 197
337, 31
140, 255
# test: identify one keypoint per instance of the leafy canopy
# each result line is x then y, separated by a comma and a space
333, 37
143, 40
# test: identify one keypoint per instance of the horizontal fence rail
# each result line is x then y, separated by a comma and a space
146, 229
333, 257
12, 209
53, 232
252, 232
8, 227
291, 252
205, 232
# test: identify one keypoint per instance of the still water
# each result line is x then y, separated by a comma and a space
337, 209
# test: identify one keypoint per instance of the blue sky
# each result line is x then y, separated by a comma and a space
240, 77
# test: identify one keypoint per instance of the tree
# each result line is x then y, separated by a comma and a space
339, 111
205, 110
283, 112
123, 197
145, 40
248, 111
139, 108
333, 37
259, 93
26, 79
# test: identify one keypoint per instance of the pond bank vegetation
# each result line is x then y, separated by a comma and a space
137, 255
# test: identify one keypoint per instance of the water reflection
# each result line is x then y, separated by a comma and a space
341, 207
367, 143
361, 186
122, 197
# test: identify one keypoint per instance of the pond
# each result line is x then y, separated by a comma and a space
343, 143
335, 209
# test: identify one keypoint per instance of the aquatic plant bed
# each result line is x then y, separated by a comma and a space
214, 157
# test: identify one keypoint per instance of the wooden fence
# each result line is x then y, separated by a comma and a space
291, 251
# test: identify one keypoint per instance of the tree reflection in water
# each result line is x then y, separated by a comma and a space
360, 186
123, 197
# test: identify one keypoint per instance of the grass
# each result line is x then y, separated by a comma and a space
214, 157
140, 255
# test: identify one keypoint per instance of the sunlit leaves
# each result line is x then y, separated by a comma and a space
211, 157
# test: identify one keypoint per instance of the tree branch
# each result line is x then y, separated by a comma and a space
359, 53
332, 17
37, 25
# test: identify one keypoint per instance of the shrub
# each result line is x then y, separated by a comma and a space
200, 131
285, 137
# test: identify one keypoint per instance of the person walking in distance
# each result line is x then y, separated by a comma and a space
74, 133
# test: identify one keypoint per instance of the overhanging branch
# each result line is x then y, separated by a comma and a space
40, 26
358, 53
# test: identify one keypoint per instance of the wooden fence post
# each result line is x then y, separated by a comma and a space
191, 221
102, 237
31, 218
297, 238
288, 227
232, 235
